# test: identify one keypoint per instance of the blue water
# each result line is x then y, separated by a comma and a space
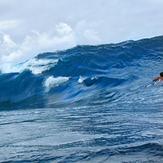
88, 104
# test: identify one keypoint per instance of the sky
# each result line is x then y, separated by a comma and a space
29, 27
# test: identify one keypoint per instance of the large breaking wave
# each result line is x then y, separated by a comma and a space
86, 75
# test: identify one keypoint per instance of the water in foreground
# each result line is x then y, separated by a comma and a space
86, 104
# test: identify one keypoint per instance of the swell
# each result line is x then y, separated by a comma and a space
85, 74
91, 60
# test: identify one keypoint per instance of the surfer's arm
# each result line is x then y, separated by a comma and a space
156, 79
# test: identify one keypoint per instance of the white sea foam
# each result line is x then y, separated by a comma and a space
51, 82
81, 79
37, 66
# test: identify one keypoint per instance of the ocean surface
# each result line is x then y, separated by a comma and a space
86, 104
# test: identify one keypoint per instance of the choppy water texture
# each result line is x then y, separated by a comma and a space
85, 104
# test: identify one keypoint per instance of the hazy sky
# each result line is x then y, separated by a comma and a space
28, 27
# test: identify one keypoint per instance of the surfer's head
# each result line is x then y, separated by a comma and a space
161, 74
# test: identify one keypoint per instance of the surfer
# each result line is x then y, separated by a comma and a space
160, 78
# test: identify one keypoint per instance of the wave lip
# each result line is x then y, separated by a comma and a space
36, 66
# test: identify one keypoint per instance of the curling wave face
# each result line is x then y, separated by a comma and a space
70, 76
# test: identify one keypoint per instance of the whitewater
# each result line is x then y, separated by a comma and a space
85, 104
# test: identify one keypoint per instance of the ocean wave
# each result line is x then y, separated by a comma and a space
86, 72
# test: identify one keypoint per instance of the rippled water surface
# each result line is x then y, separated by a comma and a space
95, 134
